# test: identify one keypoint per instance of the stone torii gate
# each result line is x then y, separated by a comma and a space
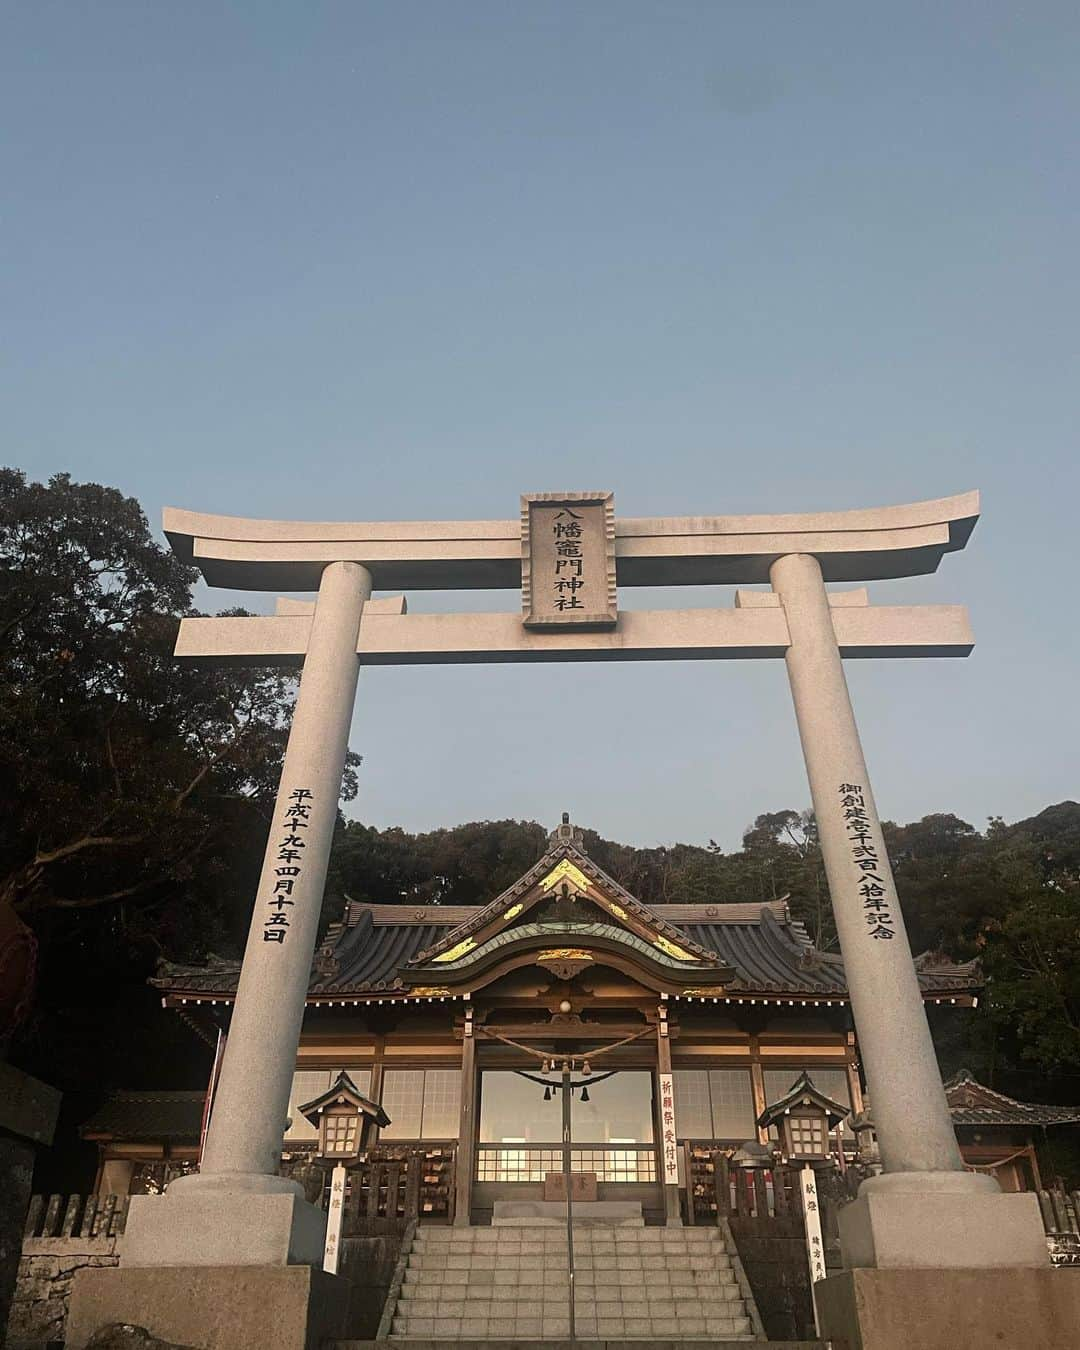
569, 553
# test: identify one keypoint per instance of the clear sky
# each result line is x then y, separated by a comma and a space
392, 259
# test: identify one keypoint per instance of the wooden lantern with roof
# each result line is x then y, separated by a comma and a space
345, 1119
804, 1118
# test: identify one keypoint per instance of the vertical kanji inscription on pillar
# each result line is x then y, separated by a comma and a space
568, 560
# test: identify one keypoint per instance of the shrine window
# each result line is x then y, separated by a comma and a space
513, 1110
714, 1104
619, 1110
421, 1103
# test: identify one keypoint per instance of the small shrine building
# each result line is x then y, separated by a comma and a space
999, 1134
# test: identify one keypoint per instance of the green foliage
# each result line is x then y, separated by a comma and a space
1032, 962
119, 763
134, 787
466, 865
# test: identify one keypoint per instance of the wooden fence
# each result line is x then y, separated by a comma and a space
718, 1189
401, 1183
396, 1182
81, 1216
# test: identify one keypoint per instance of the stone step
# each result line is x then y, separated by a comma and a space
512, 1284
513, 1272
702, 1295
595, 1251
710, 1328
457, 1258
707, 1285
485, 1296
629, 1236
611, 1343
622, 1237
424, 1305
435, 1261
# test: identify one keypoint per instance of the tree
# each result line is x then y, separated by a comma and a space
946, 882
1032, 962
135, 789
782, 855
116, 757
466, 865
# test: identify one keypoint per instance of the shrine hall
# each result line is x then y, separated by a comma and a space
453, 1019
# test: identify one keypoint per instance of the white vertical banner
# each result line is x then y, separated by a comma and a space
812, 1217
334, 1217
668, 1136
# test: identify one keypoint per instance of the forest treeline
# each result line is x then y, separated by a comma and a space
1008, 895
136, 795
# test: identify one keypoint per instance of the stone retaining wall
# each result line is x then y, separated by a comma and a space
46, 1270
773, 1253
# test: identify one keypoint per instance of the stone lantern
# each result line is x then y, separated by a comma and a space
751, 1156
804, 1119
346, 1121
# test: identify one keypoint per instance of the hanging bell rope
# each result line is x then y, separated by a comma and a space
546, 1055
557, 1083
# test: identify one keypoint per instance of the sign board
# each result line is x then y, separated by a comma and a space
334, 1217
582, 1186
668, 1137
814, 1250
568, 560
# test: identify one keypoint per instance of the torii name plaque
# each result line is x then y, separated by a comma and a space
568, 560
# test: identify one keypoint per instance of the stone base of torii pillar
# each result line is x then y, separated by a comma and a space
961, 1309
933, 1262
214, 1307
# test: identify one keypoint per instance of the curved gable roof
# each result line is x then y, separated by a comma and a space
973, 1103
528, 890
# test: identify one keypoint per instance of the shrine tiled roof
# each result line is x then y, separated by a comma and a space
972, 1103
769, 953
168, 1117
738, 950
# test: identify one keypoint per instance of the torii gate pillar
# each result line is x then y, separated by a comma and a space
925, 1222
923, 1171
237, 1208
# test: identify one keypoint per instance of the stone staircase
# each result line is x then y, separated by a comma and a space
511, 1284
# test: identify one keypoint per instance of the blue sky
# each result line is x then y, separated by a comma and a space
398, 260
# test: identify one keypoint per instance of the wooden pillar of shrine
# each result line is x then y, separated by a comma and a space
378, 1060
757, 1086
465, 1162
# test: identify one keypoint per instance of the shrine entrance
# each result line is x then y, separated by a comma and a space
613, 1154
